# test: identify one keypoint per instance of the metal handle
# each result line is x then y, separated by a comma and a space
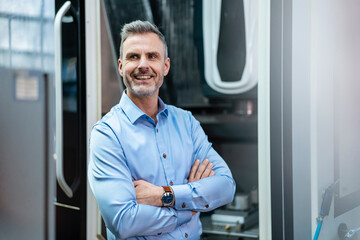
58, 99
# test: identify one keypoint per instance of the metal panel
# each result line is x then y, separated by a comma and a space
301, 130
23, 165
281, 119
335, 112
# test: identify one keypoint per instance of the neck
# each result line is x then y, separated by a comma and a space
148, 104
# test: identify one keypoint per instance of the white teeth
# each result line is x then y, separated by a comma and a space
143, 77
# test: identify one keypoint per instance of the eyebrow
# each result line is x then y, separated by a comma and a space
130, 54
154, 53
148, 53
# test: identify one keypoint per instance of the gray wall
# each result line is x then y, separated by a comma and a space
326, 129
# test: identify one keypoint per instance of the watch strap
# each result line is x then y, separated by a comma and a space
167, 189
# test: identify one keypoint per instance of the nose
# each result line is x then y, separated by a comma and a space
143, 64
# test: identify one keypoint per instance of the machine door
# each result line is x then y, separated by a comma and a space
25, 205
70, 199
26, 137
43, 140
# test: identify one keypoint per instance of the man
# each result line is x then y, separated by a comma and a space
144, 167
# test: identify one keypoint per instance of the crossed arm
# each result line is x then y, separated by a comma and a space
150, 194
209, 186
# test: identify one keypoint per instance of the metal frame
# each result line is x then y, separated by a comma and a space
264, 175
281, 119
301, 118
93, 101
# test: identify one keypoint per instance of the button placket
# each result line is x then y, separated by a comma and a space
164, 147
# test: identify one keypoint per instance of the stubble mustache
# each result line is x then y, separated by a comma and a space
142, 72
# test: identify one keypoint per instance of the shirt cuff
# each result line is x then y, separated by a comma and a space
183, 217
183, 196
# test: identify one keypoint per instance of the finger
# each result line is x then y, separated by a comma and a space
212, 173
138, 182
193, 170
201, 169
207, 171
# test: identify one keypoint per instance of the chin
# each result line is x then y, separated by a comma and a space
143, 92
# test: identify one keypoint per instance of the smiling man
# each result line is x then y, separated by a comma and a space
143, 64
152, 169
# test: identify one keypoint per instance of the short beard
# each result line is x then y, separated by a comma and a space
137, 88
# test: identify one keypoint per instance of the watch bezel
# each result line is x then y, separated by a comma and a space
167, 198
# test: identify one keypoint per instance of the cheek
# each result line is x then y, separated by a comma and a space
127, 68
160, 69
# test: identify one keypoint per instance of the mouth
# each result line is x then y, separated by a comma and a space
142, 77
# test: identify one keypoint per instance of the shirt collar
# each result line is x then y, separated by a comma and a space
133, 112
162, 108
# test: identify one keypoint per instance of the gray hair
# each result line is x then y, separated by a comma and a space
138, 27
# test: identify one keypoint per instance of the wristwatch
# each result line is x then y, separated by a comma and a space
168, 197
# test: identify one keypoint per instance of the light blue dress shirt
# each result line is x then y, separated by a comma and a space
127, 145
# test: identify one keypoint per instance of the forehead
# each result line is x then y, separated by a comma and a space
148, 42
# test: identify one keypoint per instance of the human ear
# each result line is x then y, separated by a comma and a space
167, 66
120, 67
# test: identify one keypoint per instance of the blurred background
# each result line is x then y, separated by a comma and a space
273, 83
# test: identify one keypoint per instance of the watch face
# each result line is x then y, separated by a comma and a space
167, 198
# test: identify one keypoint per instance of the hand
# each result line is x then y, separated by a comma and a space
147, 193
204, 171
197, 173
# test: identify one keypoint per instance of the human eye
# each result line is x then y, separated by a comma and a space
153, 55
132, 56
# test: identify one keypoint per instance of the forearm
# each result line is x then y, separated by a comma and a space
144, 220
210, 192
205, 194
125, 218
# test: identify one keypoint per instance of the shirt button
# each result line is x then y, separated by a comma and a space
171, 183
183, 205
186, 235
157, 130
147, 117
207, 206
164, 155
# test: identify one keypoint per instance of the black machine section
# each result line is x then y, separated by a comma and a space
232, 30
71, 217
